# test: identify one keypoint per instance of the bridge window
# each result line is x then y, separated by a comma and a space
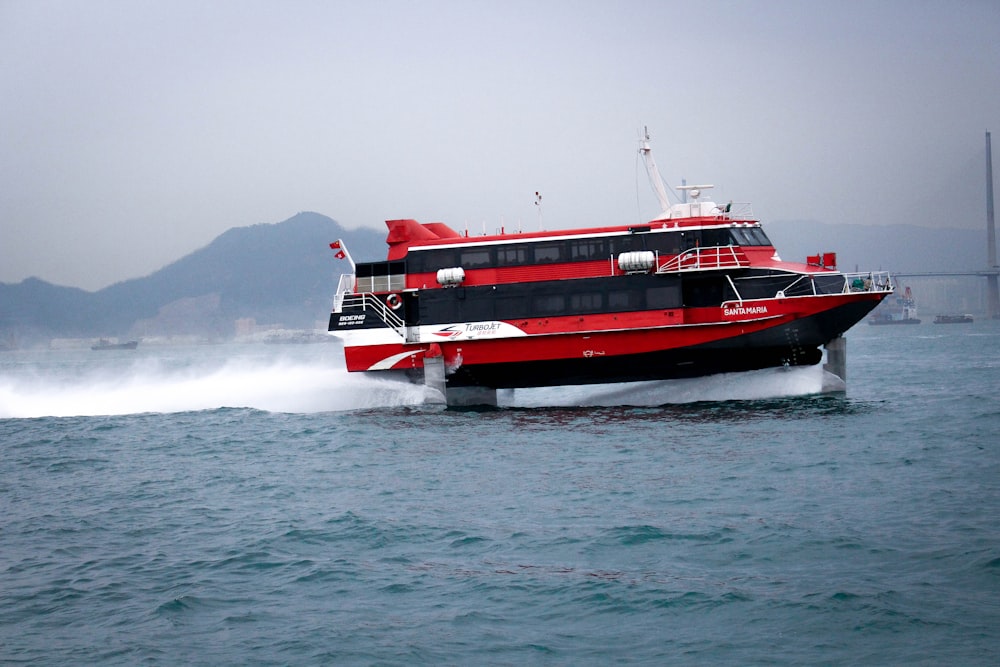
749, 236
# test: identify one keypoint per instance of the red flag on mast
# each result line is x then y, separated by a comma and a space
340, 254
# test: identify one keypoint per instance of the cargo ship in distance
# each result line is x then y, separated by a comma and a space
901, 309
698, 290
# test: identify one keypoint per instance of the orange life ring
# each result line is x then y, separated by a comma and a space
393, 301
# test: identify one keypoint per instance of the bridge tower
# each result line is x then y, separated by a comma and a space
992, 289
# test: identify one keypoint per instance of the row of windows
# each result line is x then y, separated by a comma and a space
580, 250
509, 302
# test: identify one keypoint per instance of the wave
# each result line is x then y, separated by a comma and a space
273, 385
748, 386
82, 386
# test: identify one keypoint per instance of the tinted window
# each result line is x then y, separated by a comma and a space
715, 237
508, 307
741, 236
512, 256
548, 252
588, 249
475, 258
620, 244
553, 304
667, 243
703, 292
430, 260
663, 297
585, 302
750, 236
623, 300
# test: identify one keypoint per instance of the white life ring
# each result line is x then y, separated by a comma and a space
393, 301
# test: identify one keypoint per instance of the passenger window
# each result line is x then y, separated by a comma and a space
511, 256
553, 304
475, 258
663, 297
621, 300
549, 252
584, 250
582, 303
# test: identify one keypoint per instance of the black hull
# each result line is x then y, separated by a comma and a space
797, 343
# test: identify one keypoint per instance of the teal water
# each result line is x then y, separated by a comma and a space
256, 505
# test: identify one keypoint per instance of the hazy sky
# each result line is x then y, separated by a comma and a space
132, 133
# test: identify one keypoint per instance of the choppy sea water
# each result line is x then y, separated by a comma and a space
257, 505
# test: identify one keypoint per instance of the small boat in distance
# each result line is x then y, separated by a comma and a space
105, 344
954, 319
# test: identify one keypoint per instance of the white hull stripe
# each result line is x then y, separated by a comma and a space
389, 362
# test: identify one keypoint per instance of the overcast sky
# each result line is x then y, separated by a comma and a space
132, 133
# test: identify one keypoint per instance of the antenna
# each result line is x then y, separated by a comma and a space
652, 171
538, 203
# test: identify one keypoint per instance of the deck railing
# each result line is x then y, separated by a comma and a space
344, 287
366, 301
704, 259
740, 211
871, 281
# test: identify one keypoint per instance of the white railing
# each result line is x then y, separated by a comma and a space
365, 301
344, 287
805, 285
741, 211
704, 259
872, 281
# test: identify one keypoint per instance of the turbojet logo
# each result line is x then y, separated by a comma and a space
484, 327
449, 332
472, 330
745, 310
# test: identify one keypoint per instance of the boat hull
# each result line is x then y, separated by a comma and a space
790, 333
792, 343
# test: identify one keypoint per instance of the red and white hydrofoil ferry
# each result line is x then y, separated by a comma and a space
696, 291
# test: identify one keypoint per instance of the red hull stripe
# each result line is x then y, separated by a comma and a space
609, 335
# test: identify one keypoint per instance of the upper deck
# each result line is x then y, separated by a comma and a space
422, 251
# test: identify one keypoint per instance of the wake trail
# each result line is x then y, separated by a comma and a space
276, 386
308, 386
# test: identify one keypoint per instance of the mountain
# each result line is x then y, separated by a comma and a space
282, 273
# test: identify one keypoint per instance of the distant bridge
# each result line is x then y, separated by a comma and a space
992, 271
984, 273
